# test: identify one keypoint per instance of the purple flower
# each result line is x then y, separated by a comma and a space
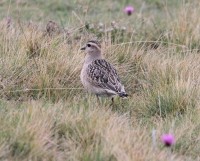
129, 10
168, 139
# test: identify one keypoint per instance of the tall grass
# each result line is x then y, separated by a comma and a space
45, 113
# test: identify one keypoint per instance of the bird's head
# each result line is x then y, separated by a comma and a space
92, 47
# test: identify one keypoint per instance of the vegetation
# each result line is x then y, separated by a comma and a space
46, 115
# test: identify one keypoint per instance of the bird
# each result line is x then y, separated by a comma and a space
98, 76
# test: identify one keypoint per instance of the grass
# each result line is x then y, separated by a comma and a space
45, 113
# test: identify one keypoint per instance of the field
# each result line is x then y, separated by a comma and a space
45, 114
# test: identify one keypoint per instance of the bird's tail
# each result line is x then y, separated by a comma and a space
123, 94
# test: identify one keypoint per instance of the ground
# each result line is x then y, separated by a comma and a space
45, 113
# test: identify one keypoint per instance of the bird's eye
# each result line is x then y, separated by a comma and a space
88, 45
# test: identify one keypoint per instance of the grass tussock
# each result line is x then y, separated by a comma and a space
46, 115
185, 27
38, 131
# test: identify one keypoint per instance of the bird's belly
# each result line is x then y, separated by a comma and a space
97, 90
94, 89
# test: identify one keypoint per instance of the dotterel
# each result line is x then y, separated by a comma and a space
97, 75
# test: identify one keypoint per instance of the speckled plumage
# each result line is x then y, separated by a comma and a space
97, 75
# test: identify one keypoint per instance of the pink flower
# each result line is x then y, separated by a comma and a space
129, 10
168, 139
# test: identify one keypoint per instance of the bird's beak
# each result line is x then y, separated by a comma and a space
83, 48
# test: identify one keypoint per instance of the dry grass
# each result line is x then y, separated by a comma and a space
36, 131
46, 115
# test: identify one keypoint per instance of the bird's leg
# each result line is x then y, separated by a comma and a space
112, 103
112, 99
98, 100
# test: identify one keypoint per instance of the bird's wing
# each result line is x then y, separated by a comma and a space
102, 74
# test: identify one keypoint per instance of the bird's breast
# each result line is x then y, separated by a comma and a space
83, 74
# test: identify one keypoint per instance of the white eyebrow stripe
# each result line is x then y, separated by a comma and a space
94, 44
